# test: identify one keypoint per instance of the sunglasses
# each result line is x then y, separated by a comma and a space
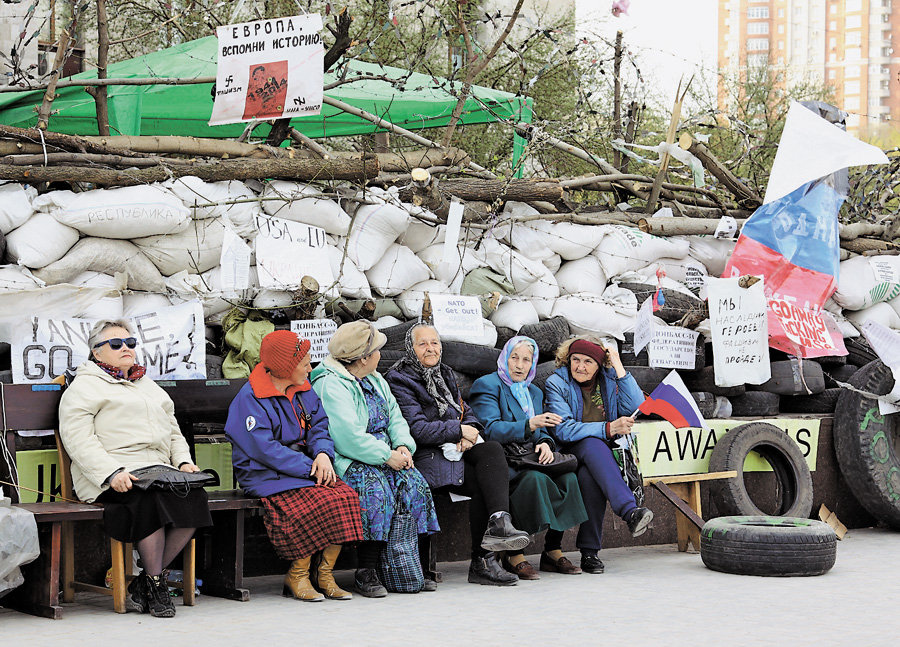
116, 343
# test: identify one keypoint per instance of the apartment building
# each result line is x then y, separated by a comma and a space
847, 44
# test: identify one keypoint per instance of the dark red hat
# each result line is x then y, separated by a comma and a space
592, 350
281, 351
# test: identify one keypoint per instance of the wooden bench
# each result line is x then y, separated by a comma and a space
220, 549
683, 491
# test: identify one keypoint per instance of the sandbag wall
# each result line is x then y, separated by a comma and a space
556, 278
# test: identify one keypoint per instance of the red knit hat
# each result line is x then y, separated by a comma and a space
592, 350
281, 351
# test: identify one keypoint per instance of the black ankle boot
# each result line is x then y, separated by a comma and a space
367, 584
638, 519
488, 570
501, 535
136, 598
158, 600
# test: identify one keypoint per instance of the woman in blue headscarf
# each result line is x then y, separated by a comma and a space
511, 410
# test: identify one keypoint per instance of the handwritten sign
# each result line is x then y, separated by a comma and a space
235, 264
673, 347
171, 344
643, 328
740, 333
457, 315
269, 69
319, 332
804, 327
286, 251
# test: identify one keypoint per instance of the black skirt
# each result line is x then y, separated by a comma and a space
131, 516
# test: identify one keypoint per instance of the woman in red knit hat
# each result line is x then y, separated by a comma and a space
283, 453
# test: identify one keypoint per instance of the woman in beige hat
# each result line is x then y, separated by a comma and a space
373, 446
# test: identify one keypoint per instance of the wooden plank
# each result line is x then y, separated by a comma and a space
679, 503
689, 478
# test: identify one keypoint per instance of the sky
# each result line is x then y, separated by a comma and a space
671, 38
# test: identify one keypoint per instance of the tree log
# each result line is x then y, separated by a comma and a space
57, 141
146, 144
863, 245
405, 161
746, 196
118, 161
857, 229
242, 169
490, 190
680, 226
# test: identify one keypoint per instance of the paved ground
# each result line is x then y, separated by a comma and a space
648, 596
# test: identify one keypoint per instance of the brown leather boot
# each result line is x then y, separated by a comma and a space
324, 575
297, 584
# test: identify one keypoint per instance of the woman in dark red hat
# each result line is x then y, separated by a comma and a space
283, 453
596, 398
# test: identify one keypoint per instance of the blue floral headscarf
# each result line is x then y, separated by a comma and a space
519, 389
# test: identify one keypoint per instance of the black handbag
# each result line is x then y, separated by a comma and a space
521, 456
166, 477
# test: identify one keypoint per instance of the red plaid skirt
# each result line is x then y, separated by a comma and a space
304, 520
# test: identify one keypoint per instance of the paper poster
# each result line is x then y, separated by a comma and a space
269, 69
726, 228
643, 328
318, 332
171, 345
694, 276
673, 347
740, 333
457, 315
286, 251
235, 264
807, 329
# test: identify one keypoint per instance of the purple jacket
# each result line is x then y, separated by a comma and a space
428, 428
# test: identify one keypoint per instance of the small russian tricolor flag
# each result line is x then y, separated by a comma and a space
672, 401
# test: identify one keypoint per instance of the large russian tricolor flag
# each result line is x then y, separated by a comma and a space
672, 401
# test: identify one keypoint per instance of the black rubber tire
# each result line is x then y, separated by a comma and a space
824, 402
504, 334
396, 335
867, 444
789, 377
755, 403
831, 360
859, 353
388, 357
470, 359
542, 372
626, 353
464, 382
548, 334
839, 374
646, 377
768, 546
677, 304
705, 380
706, 402
793, 481
213, 367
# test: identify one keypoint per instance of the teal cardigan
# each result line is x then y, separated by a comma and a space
502, 415
348, 416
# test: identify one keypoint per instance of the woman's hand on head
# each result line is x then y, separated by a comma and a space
323, 471
544, 420
121, 482
616, 361
621, 426
545, 454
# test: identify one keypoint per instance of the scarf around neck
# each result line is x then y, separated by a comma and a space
519, 389
136, 372
435, 384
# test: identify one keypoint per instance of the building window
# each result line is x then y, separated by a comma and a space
832, 25
780, 29
781, 13
832, 9
853, 38
781, 44
852, 54
757, 44
852, 71
851, 103
758, 28
852, 5
757, 12
758, 60
832, 74
832, 42
874, 102
853, 22
851, 87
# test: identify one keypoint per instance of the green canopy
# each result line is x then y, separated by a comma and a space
419, 102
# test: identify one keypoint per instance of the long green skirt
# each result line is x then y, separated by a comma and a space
538, 502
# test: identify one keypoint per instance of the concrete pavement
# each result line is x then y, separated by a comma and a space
649, 595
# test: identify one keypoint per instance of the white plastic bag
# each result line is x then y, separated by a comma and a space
138, 303
518, 269
40, 241
19, 544
397, 270
299, 207
420, 235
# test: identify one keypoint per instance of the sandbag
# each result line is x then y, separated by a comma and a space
519, 269
386, 322
420, 235
397, 270
375, 227
206, 287
465, 260
687, 271
15, 205
591, 313
712, 252
553, 263
139, 303
867, 280
352, 282
109, 257
240, 214
514, 314
530, 238
319, 212
125, 213
268, 299
573, 241
583, 275
626, 249
108, 307
483, 282
40, 241
13, 277
196, 249
543, 294
411, 300
881, 313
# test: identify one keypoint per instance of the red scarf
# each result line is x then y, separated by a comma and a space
136, 372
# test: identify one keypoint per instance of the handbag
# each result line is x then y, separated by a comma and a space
629, 466
399, 568
521, 456
172, 479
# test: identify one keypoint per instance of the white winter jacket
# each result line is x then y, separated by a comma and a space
107, 424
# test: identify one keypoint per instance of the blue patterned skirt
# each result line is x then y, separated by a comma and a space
383, 490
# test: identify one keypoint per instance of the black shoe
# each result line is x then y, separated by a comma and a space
638, 520
158, 599
430, 585
488, 570
367, 584
136, 597
501, 535
591, 564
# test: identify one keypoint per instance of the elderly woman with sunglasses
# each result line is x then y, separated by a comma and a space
114, 419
